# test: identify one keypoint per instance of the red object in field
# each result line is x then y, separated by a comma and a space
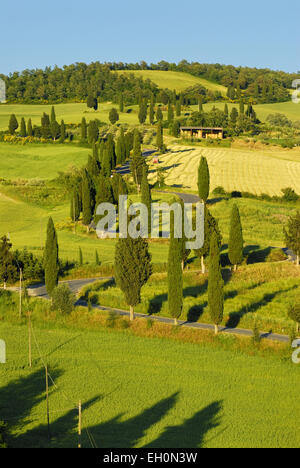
155, 161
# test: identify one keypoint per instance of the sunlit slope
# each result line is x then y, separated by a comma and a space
176, 80
234, 169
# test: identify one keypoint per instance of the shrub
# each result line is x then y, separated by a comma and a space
276, 255
289, 195
256, 333
219, 191
63, 299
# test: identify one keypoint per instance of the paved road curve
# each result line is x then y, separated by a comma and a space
77, 285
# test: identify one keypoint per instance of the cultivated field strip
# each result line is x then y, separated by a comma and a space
255, 172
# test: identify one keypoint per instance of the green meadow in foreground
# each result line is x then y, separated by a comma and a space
145, 392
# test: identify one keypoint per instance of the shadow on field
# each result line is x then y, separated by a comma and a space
192, 432
235, 317
117, 433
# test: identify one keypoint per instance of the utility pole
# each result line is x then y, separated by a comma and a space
79, 425
47, 401
29, 339
20, 294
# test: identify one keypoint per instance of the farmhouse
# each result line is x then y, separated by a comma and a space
202, 132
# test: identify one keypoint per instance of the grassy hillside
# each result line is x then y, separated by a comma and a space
291, 110
176, 80
145, 392
71, 113
39, 161
26, 224
234, 169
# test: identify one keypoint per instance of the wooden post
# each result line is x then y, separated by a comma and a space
47, 401
79, 425
20, 295
29, 339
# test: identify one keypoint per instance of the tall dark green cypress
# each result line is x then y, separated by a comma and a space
62, 132
236, 242
203, 180
23, 132
133, 268
53, 115
146, 195
170, 113
51, 262
175, 277
215, 284
200, 102
13, 124
83, 129
29, 128
151, 111
159, 137
137, 162
86, 201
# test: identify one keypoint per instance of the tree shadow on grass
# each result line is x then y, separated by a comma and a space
117, 433
235, 317
192, 432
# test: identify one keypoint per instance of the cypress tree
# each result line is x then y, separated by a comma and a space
29, 128
97, 258
292, 235
236, 242
234, 116
132, 269
151, 112
110, 144
113, 116
137, 162
13, 124
121, 103
143, 112
226, 111
159, 137
175, 277
203, 180
53, 115
62, 132
170, 113
242, 107
80, 256
210, 226
101, 151
86, 201
294, 313
51, 262
119, 152
146, 195
23, 128
8, 269
106, 163
45, 123
200, 102
93, 132
178, 108
83, 129
215, 284
159, 115
122, 145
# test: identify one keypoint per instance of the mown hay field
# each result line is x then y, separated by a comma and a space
256, 172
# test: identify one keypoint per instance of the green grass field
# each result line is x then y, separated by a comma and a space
26, 225
234, 169
175, 80
291, 110
39, 161
145, 392
70, 113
